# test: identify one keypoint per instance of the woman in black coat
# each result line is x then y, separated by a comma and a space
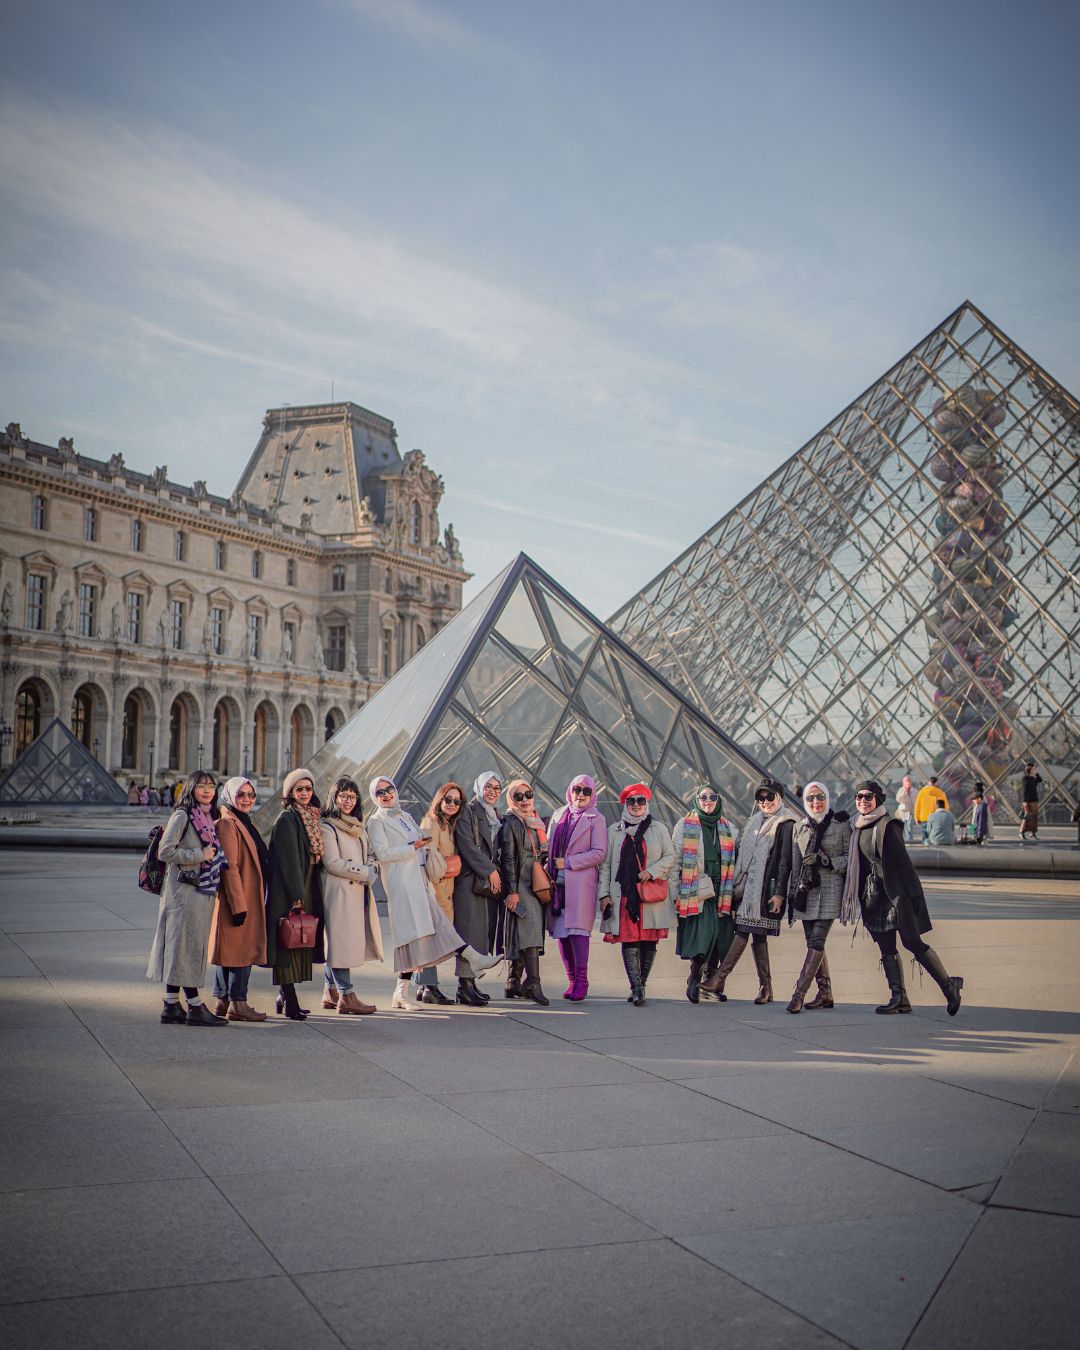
478, 910
881, 881
294, 856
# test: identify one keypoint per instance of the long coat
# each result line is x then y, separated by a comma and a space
584, 851
352, 930
178, 952
659, 857
478, 918
242, 891
404, 880
822, 900
901, 882
443, 840
290, 853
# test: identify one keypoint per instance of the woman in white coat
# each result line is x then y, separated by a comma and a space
351, 930
421, 933
639, 851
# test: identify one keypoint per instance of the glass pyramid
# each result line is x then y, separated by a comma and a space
58, 770
526, 682
903, 593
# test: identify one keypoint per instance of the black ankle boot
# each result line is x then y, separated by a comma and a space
894, 973
289, 1004
431, 993
693, 980
174, 1013
512, 988
201, 1016
468, 995
530, 986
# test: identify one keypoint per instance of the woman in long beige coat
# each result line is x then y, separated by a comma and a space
441, 824
351, 929
238, 931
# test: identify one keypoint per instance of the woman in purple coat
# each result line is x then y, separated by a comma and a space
577, 845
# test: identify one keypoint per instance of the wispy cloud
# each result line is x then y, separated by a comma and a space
429, 26
563, 522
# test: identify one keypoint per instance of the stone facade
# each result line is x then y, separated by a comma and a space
172, 628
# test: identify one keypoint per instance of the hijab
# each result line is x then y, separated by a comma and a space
709, 821
494, 820
816, 817
395, 812
229, 789
524, 811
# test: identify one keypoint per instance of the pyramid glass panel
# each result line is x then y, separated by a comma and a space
58, 770
902, 594
501, 688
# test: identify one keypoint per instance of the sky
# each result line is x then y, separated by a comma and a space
607, 263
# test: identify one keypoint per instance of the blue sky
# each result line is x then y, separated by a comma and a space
608, 264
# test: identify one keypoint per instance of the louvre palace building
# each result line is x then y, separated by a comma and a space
172, 628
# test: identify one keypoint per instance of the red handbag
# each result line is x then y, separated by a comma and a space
654, 891
297, 929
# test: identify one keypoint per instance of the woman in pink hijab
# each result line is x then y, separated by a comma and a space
577, 846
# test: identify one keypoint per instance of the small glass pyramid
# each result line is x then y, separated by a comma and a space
58, 770
527, 683
903, 594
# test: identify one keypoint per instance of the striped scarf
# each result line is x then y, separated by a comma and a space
687, 901
209, 875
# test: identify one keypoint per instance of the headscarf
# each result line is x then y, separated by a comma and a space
383, 778
810, 873
849, 901
401, 817
494, 820
632, 855
524, 811
815, 816
709, 819
229, 789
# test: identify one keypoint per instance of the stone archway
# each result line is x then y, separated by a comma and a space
139, 753
264, 741
35, 707
225, 743
90, 718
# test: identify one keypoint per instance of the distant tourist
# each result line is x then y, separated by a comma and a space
1029, 802
882, 884
941, 825
191, 851
980, 818
132, 793
905, 807
926, 802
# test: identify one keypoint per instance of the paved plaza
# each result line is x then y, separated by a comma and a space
581, 1175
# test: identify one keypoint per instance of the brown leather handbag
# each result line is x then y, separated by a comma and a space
297, 929
453, 865
539, 882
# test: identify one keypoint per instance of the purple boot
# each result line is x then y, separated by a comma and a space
566, 951
580, 984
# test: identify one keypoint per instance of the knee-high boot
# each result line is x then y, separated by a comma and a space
950, 985
530, 987
515, 970
894, 973
824, 997
566, 951
764, 974
693, 980
727, 965
648, 956
810, 967
631, 959
579, 946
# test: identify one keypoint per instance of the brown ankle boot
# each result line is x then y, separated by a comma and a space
810, 966
349, 1003
764, 974
244, 1012
331, 997
727, 965
221, 1007
824, 997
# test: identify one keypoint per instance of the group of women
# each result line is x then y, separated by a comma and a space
485, 878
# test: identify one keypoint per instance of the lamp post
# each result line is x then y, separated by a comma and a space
201, 748
97, 747
245, 768
150, 776
288, 758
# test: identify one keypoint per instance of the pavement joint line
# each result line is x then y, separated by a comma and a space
989, 1096
204, 1174
945, 1275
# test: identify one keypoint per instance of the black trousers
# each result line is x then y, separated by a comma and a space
908, 932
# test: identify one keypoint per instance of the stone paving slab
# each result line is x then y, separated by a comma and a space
584, 1174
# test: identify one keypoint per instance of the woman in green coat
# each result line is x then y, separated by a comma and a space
295, 852
700, 886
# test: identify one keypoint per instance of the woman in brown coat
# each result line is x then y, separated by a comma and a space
238, 931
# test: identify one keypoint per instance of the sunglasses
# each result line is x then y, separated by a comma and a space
451, 801
764, 796
303, 787
523, 796
385, 792
245, 796
865, 797
708, 797
581, 792
815, 796
637, 801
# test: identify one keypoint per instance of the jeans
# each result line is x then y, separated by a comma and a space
428, 978
816, 930
231, 982
909, 830
339, 976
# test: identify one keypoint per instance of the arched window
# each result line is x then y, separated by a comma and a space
421, 637
136, 536
337, 577
416, 535
129, 733
38, 516
296, 738
256, 564
82, 717
27, 718
387, 653
258, 742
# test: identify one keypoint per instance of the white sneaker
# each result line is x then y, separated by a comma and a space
400, 1000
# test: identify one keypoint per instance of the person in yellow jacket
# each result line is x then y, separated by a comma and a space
926, 802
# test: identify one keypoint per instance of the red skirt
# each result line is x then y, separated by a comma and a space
631, 931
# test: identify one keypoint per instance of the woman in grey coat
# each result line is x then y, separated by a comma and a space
522, 841
193, 860
479, 915
819, 850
